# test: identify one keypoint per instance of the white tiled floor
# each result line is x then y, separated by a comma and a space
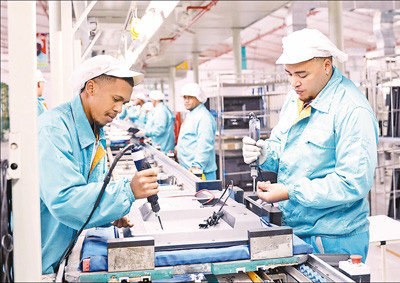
374, 261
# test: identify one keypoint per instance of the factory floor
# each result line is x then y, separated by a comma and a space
374, 261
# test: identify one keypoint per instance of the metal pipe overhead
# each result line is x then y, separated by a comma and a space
336, 27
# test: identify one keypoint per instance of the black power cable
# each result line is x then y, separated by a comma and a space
6, 239
216, 216
101, 193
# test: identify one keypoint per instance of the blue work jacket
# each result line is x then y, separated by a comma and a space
137, 116
196, 141
41, 106
327, 159
160, 127
67, 192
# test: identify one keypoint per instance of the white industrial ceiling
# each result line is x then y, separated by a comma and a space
209, 32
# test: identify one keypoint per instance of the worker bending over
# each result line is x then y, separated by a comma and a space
196, 141
72, 162
160, 124
323, 149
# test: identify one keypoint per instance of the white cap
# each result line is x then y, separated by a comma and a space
39, 76
305, 44
148, 106
99, 65
141, 96
193, 89
156, 95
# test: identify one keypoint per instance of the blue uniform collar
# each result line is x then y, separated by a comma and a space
159, 105
324, 99
201, 105
85, 133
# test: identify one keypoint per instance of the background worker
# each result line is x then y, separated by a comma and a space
196, 141
160, 125
323, 149
137, 114
40, 81
72, 162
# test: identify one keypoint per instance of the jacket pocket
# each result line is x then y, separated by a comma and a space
320, 139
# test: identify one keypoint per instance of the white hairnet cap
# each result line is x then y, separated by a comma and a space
99, 65
193, 89
156, 95
305, 44
148, 106
39, 76
141, 96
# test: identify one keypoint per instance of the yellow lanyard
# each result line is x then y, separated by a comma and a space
100, 153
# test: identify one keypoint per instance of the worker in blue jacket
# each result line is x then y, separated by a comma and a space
196, 141
72, 161
138, 114
160, 125
324, 149
40, 81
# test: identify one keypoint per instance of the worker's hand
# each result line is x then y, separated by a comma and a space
122, 222
253, 150
144, 183
140, 133
272, 192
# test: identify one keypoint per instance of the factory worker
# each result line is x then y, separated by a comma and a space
160, 124
196, 141
323, 148
72, 161
138, 115
40, 80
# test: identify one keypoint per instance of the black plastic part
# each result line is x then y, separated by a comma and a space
130, 242
208, 185
270, 231
273, 214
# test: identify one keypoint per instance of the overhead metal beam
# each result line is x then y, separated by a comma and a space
83, 16
89, 48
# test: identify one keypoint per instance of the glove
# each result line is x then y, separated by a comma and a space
140, 133
253, 150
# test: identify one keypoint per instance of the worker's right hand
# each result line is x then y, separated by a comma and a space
253, 150
144, 183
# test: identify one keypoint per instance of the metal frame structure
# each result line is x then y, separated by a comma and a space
23, 142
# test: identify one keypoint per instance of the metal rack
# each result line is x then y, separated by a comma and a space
382, 88
262, 94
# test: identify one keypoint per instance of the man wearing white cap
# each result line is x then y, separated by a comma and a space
138, 114
40, 80
196, 141
72, 162
160, 125
323, 149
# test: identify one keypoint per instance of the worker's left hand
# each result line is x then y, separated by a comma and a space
122, 222
272, 192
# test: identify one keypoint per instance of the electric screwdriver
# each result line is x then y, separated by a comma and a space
141, 163
254, 132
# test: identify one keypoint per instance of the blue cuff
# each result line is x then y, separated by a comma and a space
126, 188
292, 192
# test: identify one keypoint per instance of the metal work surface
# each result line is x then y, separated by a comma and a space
181, 217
